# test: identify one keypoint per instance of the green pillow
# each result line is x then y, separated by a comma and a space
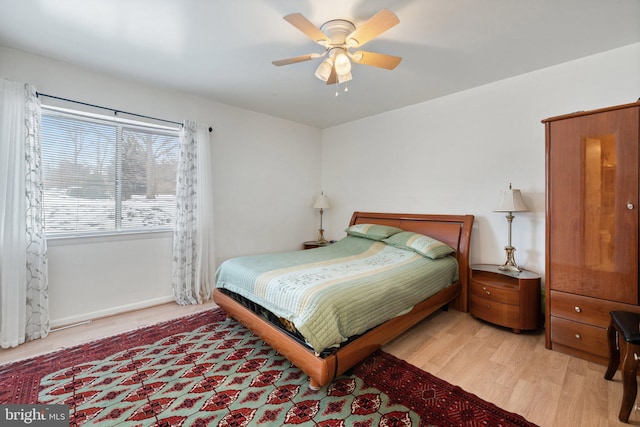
424, 245
372, 231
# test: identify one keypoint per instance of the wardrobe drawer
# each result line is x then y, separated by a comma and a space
496, 293
583, 309
583, 337
495, 312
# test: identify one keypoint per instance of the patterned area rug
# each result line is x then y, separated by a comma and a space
206, 370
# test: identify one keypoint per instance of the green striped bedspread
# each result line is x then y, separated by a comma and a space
338, 291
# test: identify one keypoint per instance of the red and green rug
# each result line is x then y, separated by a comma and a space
206, 370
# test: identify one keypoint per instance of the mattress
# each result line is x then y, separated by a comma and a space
332, 293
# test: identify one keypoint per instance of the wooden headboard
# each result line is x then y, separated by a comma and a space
454, 230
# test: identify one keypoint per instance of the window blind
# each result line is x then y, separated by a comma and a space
106, 175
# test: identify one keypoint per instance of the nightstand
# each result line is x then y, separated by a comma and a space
314, 244
505, 298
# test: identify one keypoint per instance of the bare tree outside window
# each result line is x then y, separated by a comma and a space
149, 164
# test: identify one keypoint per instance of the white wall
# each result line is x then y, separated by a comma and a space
449, 155
266, 169
454, 154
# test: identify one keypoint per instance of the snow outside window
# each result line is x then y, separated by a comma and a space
105, 175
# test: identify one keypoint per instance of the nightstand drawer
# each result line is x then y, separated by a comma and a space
586, 338
503, 294
495, 312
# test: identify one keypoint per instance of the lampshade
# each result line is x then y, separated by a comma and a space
343, 78
342, 64
324, 69
321, 202
511, 201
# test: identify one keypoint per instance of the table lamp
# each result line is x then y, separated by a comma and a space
321, 203
510, 201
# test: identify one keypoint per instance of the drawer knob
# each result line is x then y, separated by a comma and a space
577, 309
484, 288
578, 336
489, 306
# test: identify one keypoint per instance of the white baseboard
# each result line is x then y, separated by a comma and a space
72, 320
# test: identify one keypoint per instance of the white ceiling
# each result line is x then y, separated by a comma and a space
222, 49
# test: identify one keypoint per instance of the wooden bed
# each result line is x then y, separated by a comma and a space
455, 230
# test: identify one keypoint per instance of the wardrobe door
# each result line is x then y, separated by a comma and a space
593, 205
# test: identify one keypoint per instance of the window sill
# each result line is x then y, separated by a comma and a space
64, 240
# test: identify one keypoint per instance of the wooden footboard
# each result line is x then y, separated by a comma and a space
322, 371
455, 230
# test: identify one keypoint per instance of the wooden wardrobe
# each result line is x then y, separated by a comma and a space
592, 209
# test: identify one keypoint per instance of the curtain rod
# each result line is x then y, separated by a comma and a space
111, 109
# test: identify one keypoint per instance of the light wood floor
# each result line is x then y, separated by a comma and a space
513, 371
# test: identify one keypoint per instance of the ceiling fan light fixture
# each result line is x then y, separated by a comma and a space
324, 69
343, 78
342, 63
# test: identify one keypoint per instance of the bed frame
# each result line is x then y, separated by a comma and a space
455, 230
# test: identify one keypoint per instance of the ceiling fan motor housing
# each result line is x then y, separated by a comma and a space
337, 30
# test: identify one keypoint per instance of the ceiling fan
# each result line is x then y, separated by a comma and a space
337, 37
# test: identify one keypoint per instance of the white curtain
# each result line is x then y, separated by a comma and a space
24, 303
193, 249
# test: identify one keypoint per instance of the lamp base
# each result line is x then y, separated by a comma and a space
510, 263
321, 238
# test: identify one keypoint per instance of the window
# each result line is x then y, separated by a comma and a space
106, 175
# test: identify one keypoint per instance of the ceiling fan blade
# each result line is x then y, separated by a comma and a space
381, 60
301, 58
378, 24
310, 30
333, 77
